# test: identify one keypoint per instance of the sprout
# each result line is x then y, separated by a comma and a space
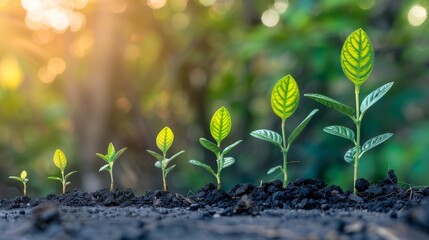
284, 102
60, 161
22, 178
164, 140
110, 159
357, 61
220, 126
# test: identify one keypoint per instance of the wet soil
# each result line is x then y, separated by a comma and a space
381, 210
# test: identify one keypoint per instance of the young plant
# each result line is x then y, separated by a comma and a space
22, 178
110, 159
220, 126
164, 140
60, 161
284, 101
357, 61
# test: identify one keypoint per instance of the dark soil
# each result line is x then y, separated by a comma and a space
246, 211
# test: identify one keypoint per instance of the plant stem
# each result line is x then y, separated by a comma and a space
25, 189
285, 150
64, 181
357, 144
164, 180
219, 169
112, 182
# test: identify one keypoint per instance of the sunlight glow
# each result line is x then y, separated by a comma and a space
207, 3
56, 65
56, 14
11, 74
270, 18
281, 6
417, 15
3, 3
156, 4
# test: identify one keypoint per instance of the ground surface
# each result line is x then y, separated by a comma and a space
305, 209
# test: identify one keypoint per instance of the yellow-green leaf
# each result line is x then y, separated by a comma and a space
165, 139
60, 159
23, 174
220, 125
357, 57
285, 97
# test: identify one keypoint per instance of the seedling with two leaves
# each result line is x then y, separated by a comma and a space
220, 126
60, 161
164, 140
357, 61
110, 158
22, 178
284, 102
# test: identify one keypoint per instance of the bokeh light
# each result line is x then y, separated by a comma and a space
11, 74
270, 18
417, 15
156, 4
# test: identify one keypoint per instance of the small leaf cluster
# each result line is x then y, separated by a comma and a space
220, 126
164, 140
110, 158
60, 161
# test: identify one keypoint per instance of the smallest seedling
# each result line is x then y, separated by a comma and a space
60, 161
22, 178
110, 159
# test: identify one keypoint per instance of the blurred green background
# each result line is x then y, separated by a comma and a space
78, 74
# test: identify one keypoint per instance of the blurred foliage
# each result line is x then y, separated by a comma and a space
119, 71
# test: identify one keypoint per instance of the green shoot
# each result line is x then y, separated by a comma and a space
284, 102
22, 178
220, 126
357, 61
60, 161
110, 159
164, 140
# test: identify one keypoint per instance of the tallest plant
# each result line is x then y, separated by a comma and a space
357, 61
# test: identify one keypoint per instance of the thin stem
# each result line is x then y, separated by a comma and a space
63, 181
357, 145
285, 150
219, 169
25, 189
112, 182
164, 180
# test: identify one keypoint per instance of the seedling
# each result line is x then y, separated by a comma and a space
284, 102
60, 161
357, 61
164, 140
220, 126
110, 159
22, 178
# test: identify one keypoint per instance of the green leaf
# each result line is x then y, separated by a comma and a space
375, 141
110, 150
273, 169
16, 178
285, 97
105, 167
203, 165
105, 158
210, 146
67, 183
220, 124
168, 160
158, 164
301, 126
357, 57
156, 155
227, 161
340, 131
23, 174
165, 139
118, 154
60, 159
269, 136
69, 174
169, 169
350, 155
331, 103
230, 147
375, 96
55, 178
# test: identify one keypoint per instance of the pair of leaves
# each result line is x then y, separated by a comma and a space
207, 144
285, 97
64, 181
22, 178
161, 160
368, 145
110, 157
276, 139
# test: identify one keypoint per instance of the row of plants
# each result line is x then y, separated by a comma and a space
357, 61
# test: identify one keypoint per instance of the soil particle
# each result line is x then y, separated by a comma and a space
361, 184
419, 216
